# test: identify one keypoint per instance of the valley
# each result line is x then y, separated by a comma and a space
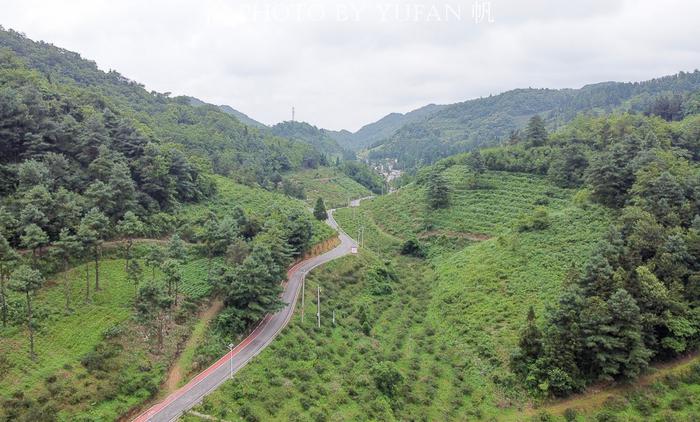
531, 255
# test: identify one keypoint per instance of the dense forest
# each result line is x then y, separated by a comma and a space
146, 205
636, 301
204, 132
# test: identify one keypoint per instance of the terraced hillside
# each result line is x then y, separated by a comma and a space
328, 183
446, 324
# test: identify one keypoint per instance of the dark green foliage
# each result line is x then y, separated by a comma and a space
446, 130
539, 220
437, 191
363, 175
568, 166
8, 260
152, 305
475, 162
529, 347
412, 247
26, 280
252, 290
387, 377
535, 132
381, 278
320, 210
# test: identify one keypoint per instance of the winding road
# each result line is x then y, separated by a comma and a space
192, 393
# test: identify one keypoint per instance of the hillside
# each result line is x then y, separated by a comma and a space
402, 313
488, 259
242, 117
488, 121
382, 129
205, 131
311, 135
123, 215
329, 183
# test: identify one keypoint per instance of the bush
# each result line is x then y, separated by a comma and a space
539, 220
98, 359
570, 414
387, 377
413, 248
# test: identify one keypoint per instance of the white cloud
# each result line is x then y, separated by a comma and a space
346, 63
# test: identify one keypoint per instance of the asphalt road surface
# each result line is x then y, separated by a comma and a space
191, 394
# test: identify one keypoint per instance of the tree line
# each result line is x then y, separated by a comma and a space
637, 298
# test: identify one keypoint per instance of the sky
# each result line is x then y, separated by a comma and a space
343, 64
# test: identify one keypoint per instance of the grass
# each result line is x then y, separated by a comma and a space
102, 323
490, 210
254, 201
330, 184
450, 322
327, 374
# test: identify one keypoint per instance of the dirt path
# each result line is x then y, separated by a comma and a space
176, 373
595, 396
475, 237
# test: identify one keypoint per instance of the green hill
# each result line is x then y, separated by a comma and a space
204, 131
303, 132
329, 183
242, 117
488, 121
382, 129
431, 317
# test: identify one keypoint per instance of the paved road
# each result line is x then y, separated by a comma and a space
204, 383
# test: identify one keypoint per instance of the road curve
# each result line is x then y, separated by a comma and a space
192, 393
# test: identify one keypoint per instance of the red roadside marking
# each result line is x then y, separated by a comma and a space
223, 360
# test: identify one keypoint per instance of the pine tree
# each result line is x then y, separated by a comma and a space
177, 249
92, 232
438, 194
34, 238
173, 277
320, 210
530, 345
152, 306
8, 259
475, 162
253, 289
629, 356
130, 226
27, 280
212, 240
66, 249
536, 134
134, 275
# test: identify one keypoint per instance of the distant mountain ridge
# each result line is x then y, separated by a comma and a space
304, 132
383, 128
242, 117
433, 132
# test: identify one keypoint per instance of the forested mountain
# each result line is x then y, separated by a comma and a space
205, 131
101, 180
635, 300
303, 132
488, 121
381, 129
242, 117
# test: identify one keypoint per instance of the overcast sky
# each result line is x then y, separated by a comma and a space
343, 64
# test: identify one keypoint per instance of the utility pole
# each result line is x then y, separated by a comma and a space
318, 306
230, 347
303, 282
292, 113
